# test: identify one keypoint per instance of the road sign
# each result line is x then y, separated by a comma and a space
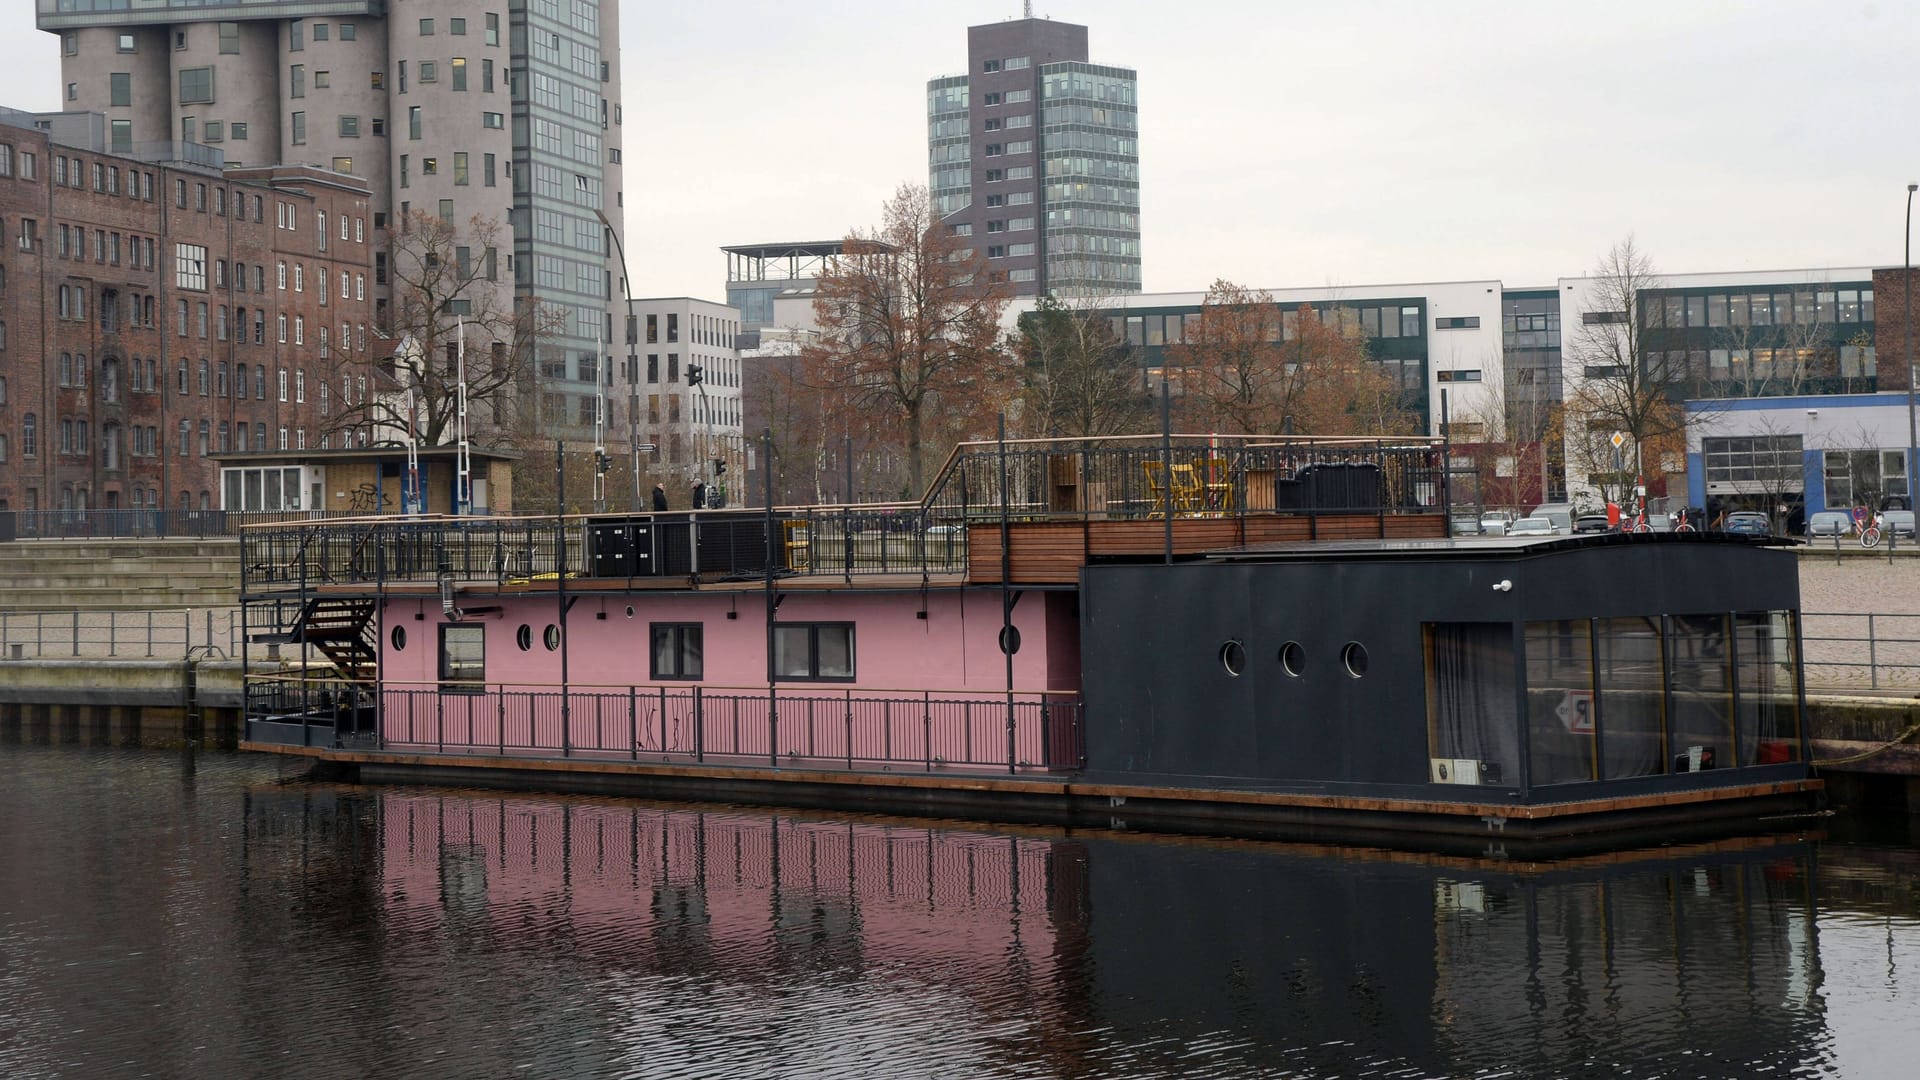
1619, 439
1576, 711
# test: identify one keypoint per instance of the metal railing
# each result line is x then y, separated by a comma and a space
1147, 476
714, 544
155, 523
853, 729
1861, 650
121, 635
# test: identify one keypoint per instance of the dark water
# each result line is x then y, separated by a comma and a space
175, 918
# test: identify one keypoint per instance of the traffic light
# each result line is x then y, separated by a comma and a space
693, 374
600, 461
719, 466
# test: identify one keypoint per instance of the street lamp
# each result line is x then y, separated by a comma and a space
633, 361
1906, 340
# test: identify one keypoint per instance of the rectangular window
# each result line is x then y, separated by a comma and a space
677, 651
196, 86
120, 88
190, 266
459, 68
1472, 713
1467, 322
1559, 704
299, 128
296, 80
815, 652
463, 659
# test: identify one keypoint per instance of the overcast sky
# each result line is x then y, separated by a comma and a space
1290, 143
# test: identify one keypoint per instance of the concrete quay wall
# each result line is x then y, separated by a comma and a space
143, 703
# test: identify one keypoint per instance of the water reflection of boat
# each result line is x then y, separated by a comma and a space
1306, 654
1113, 953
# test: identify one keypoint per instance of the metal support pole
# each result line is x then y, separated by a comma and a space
773, 603
1166, 463
1009, 638
1906, 340
560, 583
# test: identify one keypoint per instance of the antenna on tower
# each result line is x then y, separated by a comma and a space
1027, 6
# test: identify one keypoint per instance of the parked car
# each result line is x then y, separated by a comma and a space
1533, 526
1830, 523
1495, 522
1591, 523
1748, 523
1897, 523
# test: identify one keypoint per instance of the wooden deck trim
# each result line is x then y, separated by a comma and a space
1031, 785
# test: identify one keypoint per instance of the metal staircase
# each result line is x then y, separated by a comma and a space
342, 629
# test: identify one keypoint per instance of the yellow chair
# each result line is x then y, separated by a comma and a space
799, 544
1156, 485
1185, 489
1219, 481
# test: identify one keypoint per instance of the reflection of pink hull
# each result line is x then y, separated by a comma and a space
852, 728
920, 896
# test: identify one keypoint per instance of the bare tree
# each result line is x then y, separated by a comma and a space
448, 289
1231, 371
910, 326
1080, 379
1627, 386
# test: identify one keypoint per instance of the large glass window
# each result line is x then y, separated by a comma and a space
1702, 686
677, 650
463, 659
1471, 711
813, 651
1768, 714
1560, 713
1632, 681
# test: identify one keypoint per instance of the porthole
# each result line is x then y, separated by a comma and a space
1009, 640
399, 638
1293, 659
523, 637
552, 637
1233, 657
629, 611
1354, 658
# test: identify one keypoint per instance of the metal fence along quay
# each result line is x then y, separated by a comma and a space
119, 635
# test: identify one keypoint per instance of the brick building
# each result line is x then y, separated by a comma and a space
156, 309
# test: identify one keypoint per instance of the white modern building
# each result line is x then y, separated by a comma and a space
1434, 338
688, 386
1804, 453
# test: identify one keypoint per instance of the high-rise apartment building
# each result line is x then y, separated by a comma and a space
462, 110
1034, 154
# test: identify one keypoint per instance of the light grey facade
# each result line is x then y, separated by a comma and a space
1034, 155
471, 111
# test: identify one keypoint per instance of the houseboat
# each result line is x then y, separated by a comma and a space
1263, 636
